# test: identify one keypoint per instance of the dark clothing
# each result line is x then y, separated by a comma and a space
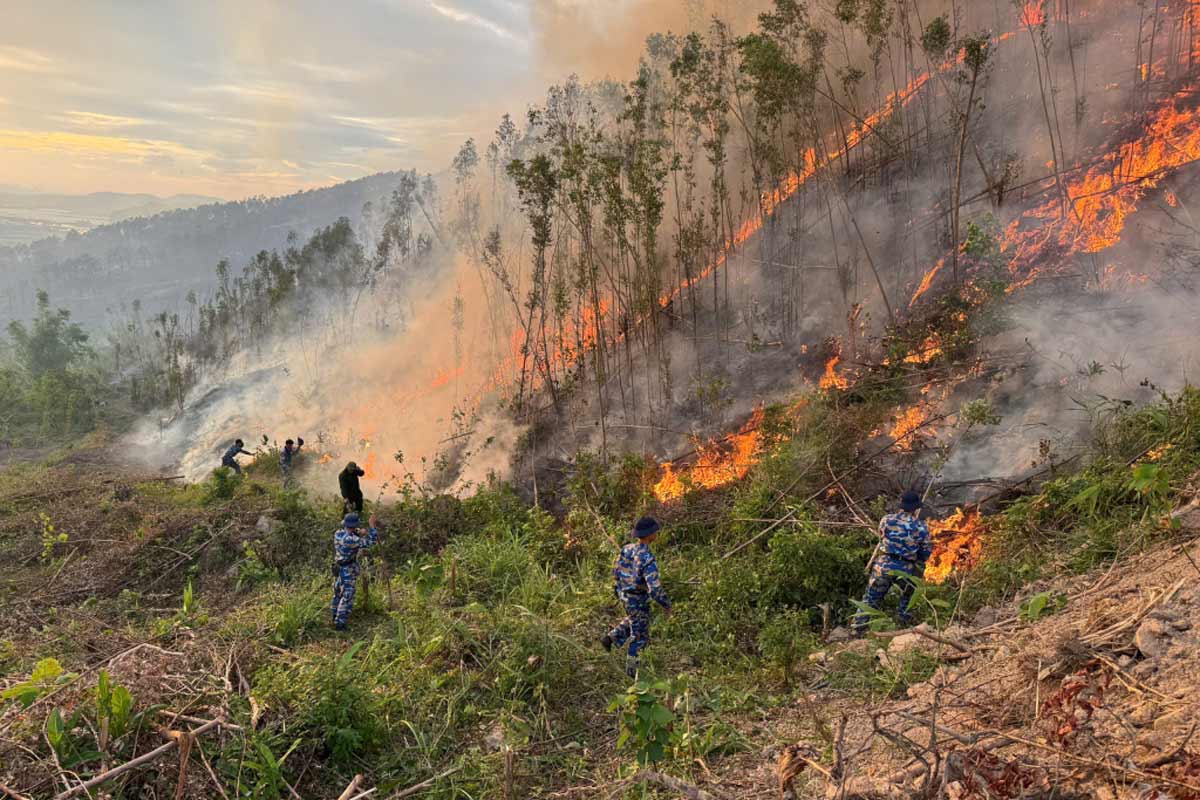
230, 460
351, 491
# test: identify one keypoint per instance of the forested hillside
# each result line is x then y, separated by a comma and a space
762, 290
160, 259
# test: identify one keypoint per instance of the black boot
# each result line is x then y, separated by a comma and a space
606, 642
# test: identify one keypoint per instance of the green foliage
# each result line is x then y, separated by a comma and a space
935, 39
646, 721
297, 611
114, 707
220, 486
70, 749
978, 412
1042, 604
250, 569
47, 675
785, 640
266, 776
51, 537
333, 702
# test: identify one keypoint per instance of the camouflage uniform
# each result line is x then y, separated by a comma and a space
230, 457
285, 461
906, 548
636, 583
346, 544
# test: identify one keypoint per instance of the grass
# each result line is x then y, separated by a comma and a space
482, 617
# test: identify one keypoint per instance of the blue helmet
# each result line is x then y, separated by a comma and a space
911, 501
350, 521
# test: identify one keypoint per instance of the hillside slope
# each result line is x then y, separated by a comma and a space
158, 259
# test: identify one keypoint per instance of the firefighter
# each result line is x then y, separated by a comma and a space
289, 451
230, 457
347, 542
904, 547
352, 496
636, 583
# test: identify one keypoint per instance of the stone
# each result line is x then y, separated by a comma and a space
985, 616
906, 642
267, 525
840, 634
819, 657
1152, 638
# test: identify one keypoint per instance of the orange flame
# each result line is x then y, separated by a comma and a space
926, 282
957, 544
1033, 14
909, 421
325, 459
718, 464
369, 465
831, 380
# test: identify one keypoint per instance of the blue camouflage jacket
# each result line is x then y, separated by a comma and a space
233, 450
346, 545
905, 537
636, 575
285, 455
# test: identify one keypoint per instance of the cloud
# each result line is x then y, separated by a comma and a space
471, 18
20, 59
91, 119
92, 144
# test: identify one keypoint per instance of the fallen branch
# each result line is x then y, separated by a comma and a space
10, 793
423, 785
129, 766
349, 791
674, 784
924, 630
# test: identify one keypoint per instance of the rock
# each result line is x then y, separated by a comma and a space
906, 642
819, 657
881, 656
1125, 661
1152, 638
267, 525
495, 737
1144, 715
985, 616
840, 634
1173, 719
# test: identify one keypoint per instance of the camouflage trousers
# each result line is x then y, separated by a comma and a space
881, 583
344, 586
635, 628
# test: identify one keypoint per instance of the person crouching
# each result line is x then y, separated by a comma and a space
636, 583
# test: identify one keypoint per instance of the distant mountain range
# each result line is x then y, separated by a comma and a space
28, 216
158, 255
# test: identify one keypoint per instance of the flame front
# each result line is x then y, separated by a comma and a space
908, 423
718, 463
957, 544
831, 379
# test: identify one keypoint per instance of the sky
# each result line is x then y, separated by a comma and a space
234, 98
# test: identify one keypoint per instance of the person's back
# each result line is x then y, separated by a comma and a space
905, 537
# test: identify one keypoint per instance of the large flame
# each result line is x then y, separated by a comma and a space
831, 379
957, 544
718, 463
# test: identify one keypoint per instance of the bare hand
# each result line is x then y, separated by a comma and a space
374, 522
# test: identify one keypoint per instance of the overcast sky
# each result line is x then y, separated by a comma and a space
241, 97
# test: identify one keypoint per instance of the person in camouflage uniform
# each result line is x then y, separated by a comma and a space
286, 455
905, 546
347, 542
636, 583
230, 457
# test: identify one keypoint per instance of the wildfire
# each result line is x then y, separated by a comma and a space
368, 466
1033, 14
718, 464
957, 544
910, 420
831, 379
930, 349
926, 282
325, 458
